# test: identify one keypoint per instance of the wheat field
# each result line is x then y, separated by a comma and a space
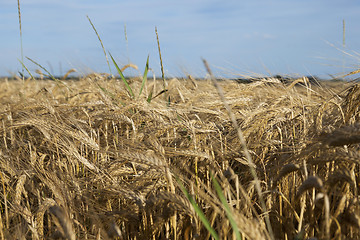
84, 160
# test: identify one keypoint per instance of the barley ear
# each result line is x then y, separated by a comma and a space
63, 222
309, 183
287, 169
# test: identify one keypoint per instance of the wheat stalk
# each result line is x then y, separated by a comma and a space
21, 41
244, 147
161, 62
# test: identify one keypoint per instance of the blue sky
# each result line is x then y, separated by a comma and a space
236, 37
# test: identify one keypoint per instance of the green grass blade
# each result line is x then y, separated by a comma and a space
150, 96
145, 75
122, 77
51, 76
26, 69
102, 45
227, 208
110, 95
199, 212
161, 62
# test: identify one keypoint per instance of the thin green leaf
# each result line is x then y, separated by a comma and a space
102, 45
110, 95
122, 77
26, 69
145, 75
227, 208
149, 97
51, 76
161, 62
198, 211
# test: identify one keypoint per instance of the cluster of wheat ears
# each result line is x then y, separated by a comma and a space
80, 163
107, 158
